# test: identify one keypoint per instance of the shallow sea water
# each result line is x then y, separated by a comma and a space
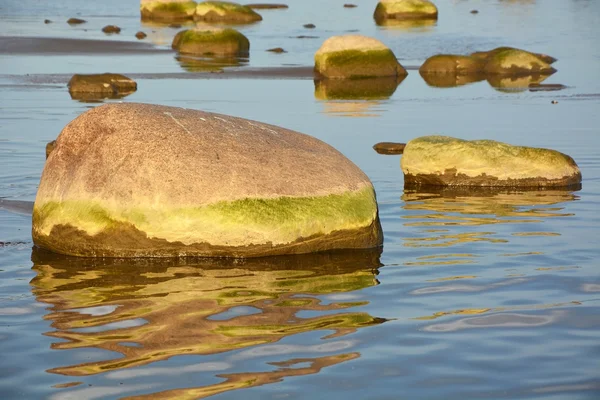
475, 295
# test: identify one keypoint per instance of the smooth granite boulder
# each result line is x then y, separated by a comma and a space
167, 10
140, 180
98, 86
211, 41
405, 9
516, 62
356, 57
447, 161
225, 11
487, 54
452, 64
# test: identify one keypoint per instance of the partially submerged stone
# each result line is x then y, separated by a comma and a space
446, 161
356, 57
76, 21
211, 41
390, 148
167, 10
267, 6
357, 89
224, 11
98, 86
405, 9
488, 54
516, 62
277, 50
139, 180
452, 64
111, 29
140, 35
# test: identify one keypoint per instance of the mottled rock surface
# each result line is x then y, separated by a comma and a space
167, 10
224, 11
211, 41
405, 9
134, 180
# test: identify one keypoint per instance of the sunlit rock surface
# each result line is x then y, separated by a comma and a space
131, 180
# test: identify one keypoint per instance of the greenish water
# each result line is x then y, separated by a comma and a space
475, 294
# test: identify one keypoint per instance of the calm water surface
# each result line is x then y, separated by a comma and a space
475, 295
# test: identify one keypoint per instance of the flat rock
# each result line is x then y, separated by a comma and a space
389, 148
355, 57
98, 86
139, 180
224, 11
447, 161
76, 21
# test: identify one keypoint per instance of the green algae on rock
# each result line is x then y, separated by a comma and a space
225, 11
487, 54
516, 62
211, 41
404, 9
167, 10
447, 161
136, 180
98, 86
356, 57
452, 64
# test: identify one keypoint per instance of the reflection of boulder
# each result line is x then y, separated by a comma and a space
356, 57
356, 89
514, 83
407, 24
447, 161
100, 86
157, 181
225, 11
451, 80
211, 41
167, 10
195, 64
405, 9
195, 306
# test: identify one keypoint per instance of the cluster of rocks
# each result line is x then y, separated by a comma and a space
210, 11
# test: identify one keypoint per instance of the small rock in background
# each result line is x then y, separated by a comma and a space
47, 21
277, 50
140, 35
76, 21
350, 5
309, 26
474, 12
111, 29
264, 6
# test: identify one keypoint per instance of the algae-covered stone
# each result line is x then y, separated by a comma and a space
211, 41
405, 9
225, 11
452, 64
133, 180
446, 161
487, 54
355, 57
516, 62
98, 86
167, 10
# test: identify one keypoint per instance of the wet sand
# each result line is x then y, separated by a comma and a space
15, 45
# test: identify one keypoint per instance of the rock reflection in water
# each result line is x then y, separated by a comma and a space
515, 84
208, 64
435, 208
422, 25
450, 80
176, 298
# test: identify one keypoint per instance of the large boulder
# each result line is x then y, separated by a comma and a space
355, 57
211, 41
452, 64
139, 180
167, 10
405, 9
225, 11
446, 161
99, 86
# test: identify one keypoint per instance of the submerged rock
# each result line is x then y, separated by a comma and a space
405, 9
516, 62
224, 11
265, 6
111, 29
446, 161
140, 35
211, 41
98, 86
136, 180
349, 5
167, 10
309, 26
76, 21
277, 50
355, 57
452, 64
488, 54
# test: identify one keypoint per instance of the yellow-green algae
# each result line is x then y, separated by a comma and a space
236, 223
358, 64
400, 9
227, 10
173, 10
